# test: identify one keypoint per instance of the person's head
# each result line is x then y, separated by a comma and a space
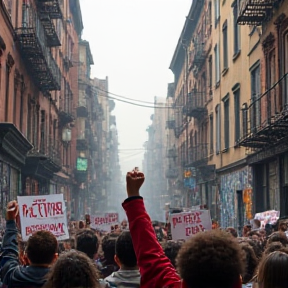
124, 251
108, 248
278, 237
232, 231
246, 230
272, 271
87, 242
211, 259
255, 235
272, 247
42, 248
73, 269
256, 224
171, 249
283, 224
251, 262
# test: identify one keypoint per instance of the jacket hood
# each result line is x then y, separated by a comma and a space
30, 276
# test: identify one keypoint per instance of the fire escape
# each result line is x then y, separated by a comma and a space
195, 106
66, 106
35, 38
265, 121
198, 54
255, 12
171, 172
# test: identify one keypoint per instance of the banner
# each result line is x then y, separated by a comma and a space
186, 224
45, 212
104, 221
267, 217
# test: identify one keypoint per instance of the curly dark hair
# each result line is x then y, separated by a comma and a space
211, 259
73, 269
171, 249
87, 242
108, 248
251, 262
125, 251
257, 247
41, 247
278, 237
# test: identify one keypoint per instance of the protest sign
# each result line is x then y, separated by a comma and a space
267, 217
45, 212
104, 221
186, 224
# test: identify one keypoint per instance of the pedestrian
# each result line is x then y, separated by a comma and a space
208, 259
41, 253
272, 271
128, 275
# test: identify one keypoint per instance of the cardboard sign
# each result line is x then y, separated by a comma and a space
45, 212
267, 217
104, 221
186, 224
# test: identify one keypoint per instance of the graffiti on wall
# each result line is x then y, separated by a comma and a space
229, 185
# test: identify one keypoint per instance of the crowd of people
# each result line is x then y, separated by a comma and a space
139, 257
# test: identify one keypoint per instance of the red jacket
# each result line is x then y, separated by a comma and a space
155, 268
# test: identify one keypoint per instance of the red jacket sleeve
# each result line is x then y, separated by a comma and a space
155, 268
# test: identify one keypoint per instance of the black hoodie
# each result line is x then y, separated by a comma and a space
13, 274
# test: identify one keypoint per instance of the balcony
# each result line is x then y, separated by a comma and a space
265, 120
195, 106
50, 7
65, 109
37, 56
198, 155
52, 36
44, 162
170, 124
171, 173
81, 145
171, 153
255, 12
198, 54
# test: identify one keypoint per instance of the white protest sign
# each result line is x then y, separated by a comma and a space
186, 224
267, 217
104, 221
45, 212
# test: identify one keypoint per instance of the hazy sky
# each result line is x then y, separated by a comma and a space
132, 42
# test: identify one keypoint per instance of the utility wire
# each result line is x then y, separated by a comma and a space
136, 104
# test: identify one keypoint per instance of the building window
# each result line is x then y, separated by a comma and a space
217, 65
218, 129
225, 46
236, 29
210, 67
255, 97
226, 121
237, 114
217, 11
211, 134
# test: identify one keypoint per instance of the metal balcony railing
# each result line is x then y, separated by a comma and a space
172, 173
198, 155
51, 8
171, 153
265, 120
36, 54
255, 12
50, 149
198, 56
170, 124
195, 105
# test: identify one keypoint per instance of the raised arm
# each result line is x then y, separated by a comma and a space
155, 268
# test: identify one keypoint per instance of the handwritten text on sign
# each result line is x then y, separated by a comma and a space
104, 221
186, 224
46, 212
